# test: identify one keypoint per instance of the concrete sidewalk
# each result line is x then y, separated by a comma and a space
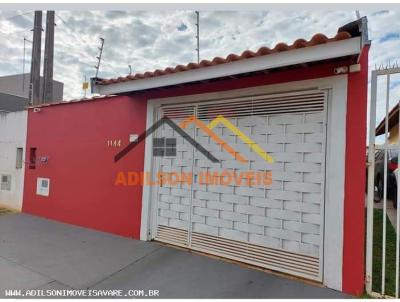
37, 253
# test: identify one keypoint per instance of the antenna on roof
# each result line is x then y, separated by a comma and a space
358, 16
198, 35
99, 56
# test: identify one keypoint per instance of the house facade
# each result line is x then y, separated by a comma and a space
294, 115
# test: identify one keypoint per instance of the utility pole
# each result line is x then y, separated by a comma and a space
23, 63
48, 58
130, 69
99, 57
198, 35
34, 89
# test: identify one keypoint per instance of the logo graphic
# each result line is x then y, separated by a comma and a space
174, 126
166, 146
221, 119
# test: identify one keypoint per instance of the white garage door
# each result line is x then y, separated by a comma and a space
277, 226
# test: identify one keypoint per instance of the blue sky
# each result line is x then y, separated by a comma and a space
156, 39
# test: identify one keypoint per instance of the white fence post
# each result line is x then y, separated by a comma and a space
371, 184
371, 187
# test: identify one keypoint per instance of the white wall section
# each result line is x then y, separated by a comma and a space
13, 128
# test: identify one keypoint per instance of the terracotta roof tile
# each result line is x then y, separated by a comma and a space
317, 39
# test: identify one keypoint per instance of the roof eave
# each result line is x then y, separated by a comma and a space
393, 120
320, 52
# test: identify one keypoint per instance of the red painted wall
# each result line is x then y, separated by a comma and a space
81, 167
354, 204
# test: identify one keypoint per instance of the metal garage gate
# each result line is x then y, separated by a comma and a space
280, 226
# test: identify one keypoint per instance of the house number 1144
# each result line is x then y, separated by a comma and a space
113, 143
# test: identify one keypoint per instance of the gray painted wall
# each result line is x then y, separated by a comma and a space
19, 85
12, 103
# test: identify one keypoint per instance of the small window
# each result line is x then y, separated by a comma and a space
6, 182
32, 158
19, 160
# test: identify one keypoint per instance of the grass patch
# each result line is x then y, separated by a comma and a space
365, 296
390, 278
4, 211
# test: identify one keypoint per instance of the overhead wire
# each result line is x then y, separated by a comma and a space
19, 31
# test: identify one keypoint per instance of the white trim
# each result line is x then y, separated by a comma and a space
145, 227
323, 183
335, 162
335, 181
297, 56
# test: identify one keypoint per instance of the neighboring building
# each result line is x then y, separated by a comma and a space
18, 85
304, 105
393, 124
12, 158
12, 103
14, 94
